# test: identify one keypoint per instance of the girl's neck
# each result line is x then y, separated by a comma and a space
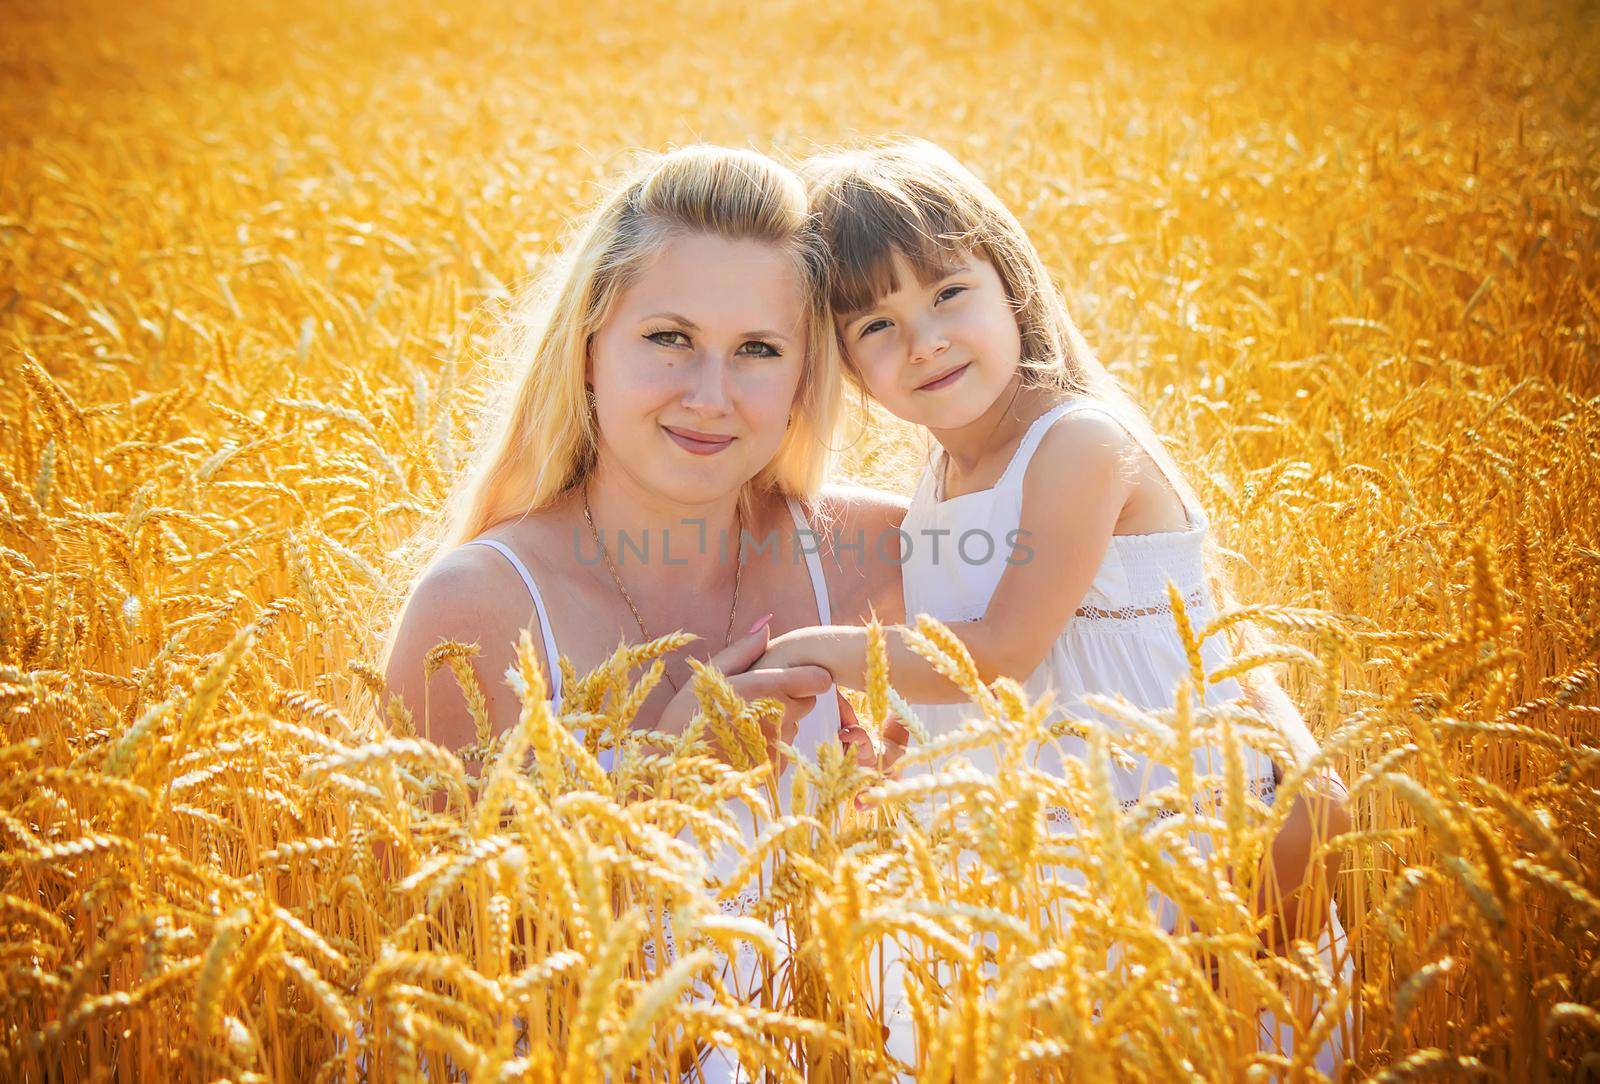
998, 429
696, 544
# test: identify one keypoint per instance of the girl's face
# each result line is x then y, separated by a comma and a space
696, 369
937, 355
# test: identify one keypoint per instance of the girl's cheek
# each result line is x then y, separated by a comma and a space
877, 372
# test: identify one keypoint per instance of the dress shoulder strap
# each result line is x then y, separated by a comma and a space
1018, 467
1159, 456
552, 656
819, 583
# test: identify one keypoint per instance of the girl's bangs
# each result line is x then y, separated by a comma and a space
866, 225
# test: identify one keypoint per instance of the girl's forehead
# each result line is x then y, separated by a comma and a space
903, 275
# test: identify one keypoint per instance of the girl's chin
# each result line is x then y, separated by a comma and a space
948, 420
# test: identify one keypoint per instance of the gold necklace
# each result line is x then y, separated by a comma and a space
738, 570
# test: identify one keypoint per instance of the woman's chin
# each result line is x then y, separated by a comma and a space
700, 484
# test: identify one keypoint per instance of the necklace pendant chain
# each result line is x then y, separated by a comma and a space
616, 578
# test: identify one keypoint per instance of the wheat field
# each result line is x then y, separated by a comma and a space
251, 260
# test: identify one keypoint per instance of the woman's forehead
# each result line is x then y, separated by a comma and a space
712, 281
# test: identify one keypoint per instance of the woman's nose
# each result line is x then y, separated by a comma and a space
708, 386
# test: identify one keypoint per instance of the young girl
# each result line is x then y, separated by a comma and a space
1046, 527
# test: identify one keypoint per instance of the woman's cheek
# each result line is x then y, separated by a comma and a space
769, 391
626, 407
646, 388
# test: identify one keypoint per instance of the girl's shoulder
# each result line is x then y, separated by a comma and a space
1101, 445
1085, 435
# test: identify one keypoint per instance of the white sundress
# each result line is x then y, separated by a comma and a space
1122, 640
821, 724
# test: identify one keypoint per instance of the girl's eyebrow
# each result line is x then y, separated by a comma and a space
852, 316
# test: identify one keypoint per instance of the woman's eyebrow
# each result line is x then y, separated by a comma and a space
692, 326
684, 320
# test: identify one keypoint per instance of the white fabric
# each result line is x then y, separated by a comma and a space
742, 976
1122, 641
545, 627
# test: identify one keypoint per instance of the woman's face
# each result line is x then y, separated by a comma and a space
696, 369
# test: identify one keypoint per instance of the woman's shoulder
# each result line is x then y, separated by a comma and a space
860, 529
469, 594
857, 506
463, 588
488, 582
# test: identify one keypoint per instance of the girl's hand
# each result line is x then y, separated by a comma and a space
796, 687
791, 649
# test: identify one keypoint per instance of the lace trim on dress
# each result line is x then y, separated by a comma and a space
1263, 787
738, 906
1194, 602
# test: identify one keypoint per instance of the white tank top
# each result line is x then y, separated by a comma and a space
818, 725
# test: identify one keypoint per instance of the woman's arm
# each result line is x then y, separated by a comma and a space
461, 598
1073, 494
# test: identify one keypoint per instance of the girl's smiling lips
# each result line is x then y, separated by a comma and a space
695, 442
944, 380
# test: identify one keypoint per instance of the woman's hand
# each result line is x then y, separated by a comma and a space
857, 741
795, 687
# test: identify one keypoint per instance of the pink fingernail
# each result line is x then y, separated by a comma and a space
753, 629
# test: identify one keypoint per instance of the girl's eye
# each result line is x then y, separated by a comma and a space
943, 295
658, 337
763, 350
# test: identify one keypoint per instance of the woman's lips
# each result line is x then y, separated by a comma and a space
944, 381
697, 443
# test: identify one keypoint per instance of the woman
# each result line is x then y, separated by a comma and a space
657, 462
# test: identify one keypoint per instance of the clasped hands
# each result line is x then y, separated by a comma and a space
746, 665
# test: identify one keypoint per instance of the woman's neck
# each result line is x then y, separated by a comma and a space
694, 543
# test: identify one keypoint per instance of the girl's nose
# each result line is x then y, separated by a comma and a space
708, 387
928, 340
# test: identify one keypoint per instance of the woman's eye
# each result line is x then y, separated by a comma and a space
873, 326
763, 350
949, 292
661, 337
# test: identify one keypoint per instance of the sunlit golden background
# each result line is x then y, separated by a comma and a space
249, 258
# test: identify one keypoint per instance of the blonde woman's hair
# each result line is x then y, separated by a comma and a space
912, 197
540, 437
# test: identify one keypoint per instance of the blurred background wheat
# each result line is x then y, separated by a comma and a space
249, 259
